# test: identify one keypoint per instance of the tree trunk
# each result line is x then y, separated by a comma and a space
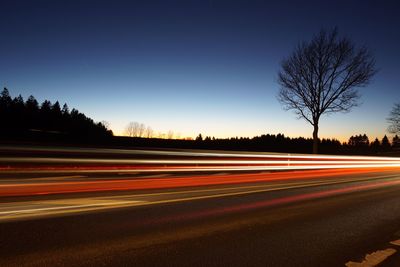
315, 139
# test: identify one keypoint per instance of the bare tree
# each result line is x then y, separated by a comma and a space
141, 129
132, 129
322, 77
129, 129
149, 132
394, 119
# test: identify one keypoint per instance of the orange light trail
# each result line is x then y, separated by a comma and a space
142, 161
59, 187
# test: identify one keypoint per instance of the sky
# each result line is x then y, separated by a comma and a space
192, 67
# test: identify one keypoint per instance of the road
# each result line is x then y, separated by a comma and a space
325, 221
325, 217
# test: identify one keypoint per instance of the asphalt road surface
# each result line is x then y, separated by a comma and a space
305, 218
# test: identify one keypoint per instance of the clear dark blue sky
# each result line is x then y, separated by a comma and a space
190, 66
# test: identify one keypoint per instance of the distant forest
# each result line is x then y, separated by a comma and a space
19, 118
357, 145
28, 121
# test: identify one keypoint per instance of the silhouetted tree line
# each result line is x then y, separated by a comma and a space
270, 142
19, 118
356, 145
360, 144
49, 122
275, 143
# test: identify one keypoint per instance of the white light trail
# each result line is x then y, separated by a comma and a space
230, 162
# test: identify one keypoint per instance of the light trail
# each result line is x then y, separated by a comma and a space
62, 187
263, 162
285, 200
188, 162
305, 171
194, 153
195, 169
198, 166
300, 167
34, 209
